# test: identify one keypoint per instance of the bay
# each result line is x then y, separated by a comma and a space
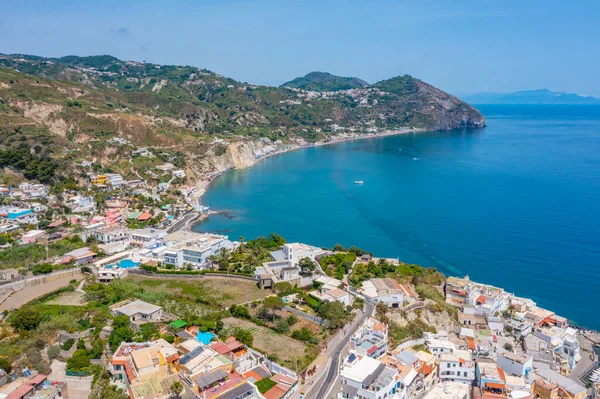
516, 204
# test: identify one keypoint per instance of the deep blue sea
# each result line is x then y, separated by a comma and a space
516, 204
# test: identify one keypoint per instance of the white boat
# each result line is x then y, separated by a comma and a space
358, 182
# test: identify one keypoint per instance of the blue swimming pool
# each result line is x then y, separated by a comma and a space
127, 264
205, 337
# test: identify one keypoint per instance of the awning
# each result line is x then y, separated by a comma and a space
495, 385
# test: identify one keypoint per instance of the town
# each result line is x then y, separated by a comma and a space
106, 292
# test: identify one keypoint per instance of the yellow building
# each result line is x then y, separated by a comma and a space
99, 179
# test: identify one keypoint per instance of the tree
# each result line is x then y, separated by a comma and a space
334, 313
338, 248
118, 335
508, 346
26, 319
307, 266
5, 365
244, 336
291, 320
80, 361
43, 268
273, 303
120, 321
282, 326
176, 388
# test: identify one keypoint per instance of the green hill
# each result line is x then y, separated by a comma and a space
323, 81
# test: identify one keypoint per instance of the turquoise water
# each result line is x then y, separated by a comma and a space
127, 264
516, 204
205, 337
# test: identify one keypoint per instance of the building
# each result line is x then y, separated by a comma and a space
110, 234
367, 378
332, 295
552, 385
145, 369
178, 173
139, 312
449, 390
515, 364
520, 326
389, 292
33, 387
81, 256
18, 215
293, 252
32, 236
371, 338
195, 249
438, 347
98, 179
9, 274
108, 274
429, 369
457, 367
490, 380
148, 235
114, 179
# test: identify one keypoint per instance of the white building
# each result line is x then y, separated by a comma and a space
389, 292
139, 312
439, 347
367, 378
295, 251
110, 234
147, 235
185, 247
179, 173
114, 179
457, 367
515, 364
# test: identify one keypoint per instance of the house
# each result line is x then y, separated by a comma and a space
81, 256
552, 385
515, 364
195, 249
520, 326
389, 292
490, 380
371, 338
449, 390
367, 378
31, 387
457, 367
332, 295
139, 312
9, 274
98, 179
428, 369
439, 347
32, 236
293, 252
110, 234
178, 173
145, 369
108, 274
147, 235
114, 179
18, 215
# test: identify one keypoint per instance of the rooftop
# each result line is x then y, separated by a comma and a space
136, 307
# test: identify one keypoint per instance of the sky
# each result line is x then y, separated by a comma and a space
459, 46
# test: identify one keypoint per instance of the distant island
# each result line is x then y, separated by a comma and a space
541, 96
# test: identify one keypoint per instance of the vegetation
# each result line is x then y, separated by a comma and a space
264, 385
338, 264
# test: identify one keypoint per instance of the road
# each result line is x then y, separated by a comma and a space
335, 349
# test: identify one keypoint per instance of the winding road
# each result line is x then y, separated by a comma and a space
334, 351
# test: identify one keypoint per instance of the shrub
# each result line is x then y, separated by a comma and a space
68, 344
282, 326
53, 352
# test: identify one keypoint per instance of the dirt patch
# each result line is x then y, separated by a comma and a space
242, 291
287, 349
74, 298
20, 298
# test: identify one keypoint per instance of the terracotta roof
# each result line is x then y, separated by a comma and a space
144, 216
470, 342
276, 392
253, 374
38, 379
501, 373
20, 392
495, 385
480, 299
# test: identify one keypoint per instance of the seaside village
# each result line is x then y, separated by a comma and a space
361, 317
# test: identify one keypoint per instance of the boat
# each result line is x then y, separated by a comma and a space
358, 182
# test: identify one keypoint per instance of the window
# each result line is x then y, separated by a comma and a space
448, 365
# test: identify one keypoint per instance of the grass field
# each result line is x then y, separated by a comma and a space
289, 351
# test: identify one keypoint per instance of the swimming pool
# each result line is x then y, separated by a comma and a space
124, 264
205, 337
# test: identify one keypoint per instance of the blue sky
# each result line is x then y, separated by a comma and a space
459, 46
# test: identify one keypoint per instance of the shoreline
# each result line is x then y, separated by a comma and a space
202, 186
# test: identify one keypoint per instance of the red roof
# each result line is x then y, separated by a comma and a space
38, 379
144, 216
471, 342
495, 385
20, 392
57, 223
274, 393
501, 373
481, 299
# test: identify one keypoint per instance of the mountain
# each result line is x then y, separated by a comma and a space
542, 96
71, 109
323, 81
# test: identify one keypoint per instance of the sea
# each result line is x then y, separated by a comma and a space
515, 205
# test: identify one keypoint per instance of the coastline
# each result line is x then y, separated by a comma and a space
202, 186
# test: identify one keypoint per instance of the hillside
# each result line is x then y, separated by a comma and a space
542, 96
323, 81
99, 108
